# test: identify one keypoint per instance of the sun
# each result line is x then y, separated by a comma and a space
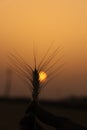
42, 76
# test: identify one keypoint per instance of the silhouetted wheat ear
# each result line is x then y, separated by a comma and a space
32, 75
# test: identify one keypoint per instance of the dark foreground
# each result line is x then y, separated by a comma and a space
12, 111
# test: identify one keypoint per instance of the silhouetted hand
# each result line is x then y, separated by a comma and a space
36, 111
61, 123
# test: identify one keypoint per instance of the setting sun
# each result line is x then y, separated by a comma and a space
32, 25
42, 76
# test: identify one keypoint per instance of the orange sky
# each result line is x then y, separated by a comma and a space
24, 22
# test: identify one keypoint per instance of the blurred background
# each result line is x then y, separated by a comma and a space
25, 23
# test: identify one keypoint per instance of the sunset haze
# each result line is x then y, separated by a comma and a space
24, 23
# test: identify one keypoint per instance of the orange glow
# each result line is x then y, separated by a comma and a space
23, 23
42, 76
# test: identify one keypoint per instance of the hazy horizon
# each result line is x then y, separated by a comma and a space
24, 23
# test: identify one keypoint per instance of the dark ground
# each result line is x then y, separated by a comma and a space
12, 111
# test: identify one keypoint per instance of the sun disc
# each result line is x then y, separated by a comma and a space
42, 76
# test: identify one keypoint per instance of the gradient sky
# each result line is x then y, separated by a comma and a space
24, 22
